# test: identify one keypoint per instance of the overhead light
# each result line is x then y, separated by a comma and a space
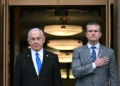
62, 30
64, 44
71, 75
64, 74
64, 57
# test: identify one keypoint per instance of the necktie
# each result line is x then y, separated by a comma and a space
93, 53
38, 62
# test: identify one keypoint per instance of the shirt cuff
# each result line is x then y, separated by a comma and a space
94, 66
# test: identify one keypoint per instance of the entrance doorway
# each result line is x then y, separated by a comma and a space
23, 18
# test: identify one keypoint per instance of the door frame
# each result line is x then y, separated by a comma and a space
5, 31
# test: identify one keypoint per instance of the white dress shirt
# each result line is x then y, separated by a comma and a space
96, 50
34, 58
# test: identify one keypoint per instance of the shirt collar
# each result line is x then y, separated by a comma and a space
97, 45
40, 52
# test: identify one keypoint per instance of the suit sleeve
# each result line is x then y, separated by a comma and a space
17, 73
78, 69
57, 74
113, 70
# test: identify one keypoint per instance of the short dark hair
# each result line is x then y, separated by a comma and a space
93, 23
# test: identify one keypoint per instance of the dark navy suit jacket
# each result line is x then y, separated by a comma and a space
25, 74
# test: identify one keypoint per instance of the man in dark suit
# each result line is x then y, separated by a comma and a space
94, 64
37, 67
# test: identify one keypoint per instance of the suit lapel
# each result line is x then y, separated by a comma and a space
87, 53
101, 51
30, 62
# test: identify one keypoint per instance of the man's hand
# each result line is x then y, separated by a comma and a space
101, 61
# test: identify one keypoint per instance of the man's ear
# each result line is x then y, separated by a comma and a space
100, 34
28, 41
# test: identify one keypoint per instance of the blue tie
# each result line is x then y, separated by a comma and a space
38, 62
93, 53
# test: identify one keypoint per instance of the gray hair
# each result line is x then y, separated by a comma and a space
35, 29
93, 23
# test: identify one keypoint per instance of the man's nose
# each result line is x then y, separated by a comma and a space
93, 32
36, 40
